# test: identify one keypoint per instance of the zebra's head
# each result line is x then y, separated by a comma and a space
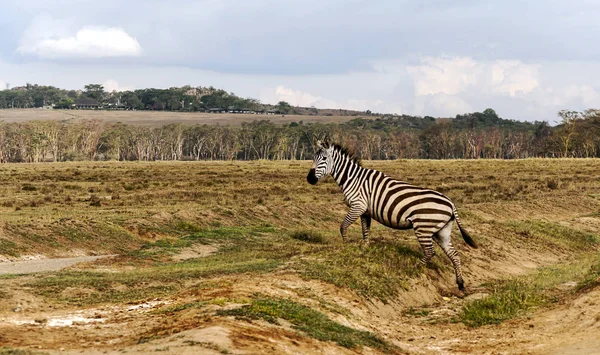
322, 163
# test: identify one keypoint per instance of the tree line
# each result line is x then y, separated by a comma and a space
469, 136
183, 99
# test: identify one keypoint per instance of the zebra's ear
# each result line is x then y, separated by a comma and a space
319, 144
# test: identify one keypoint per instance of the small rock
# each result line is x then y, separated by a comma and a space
567, 285
433, 337
476, 296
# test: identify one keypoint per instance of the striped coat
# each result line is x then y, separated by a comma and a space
371, 194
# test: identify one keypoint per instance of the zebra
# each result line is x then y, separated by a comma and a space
372, 194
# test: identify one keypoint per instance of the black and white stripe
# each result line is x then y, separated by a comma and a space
371, 194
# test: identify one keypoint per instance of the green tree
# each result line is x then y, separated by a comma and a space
94, 91
65, 103
284, 107
568, 132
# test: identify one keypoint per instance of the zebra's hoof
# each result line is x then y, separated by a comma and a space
461, 285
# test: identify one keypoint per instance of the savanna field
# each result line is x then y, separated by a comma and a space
246, 258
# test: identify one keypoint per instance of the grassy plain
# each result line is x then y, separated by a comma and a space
158, 118
252, 247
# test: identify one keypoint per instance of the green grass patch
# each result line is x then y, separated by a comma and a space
591, 279
5, 350
28, 187
8, 247
246, 250
137, 285
555, 234
379, 270
309, 236
515, 297
185, 226
507, 301
76, 234
231, 234
416, 312
313, 323
161, 247
180, 307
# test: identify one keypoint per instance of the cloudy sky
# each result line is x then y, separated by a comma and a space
527, 59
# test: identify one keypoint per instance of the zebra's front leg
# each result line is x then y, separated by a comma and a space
425, 239
351, 217
365, 221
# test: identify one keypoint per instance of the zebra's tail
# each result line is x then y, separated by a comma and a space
464, 233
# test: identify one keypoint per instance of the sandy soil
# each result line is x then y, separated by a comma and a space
569, 328
41, 265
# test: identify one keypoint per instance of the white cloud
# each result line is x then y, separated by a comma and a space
454, 75
444, 75
513, 76
2, 85
111, 85
585, 93
305, 99
441, 105
298, 98
51, 39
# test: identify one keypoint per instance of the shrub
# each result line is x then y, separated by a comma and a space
95, 201
309, 236
28, 187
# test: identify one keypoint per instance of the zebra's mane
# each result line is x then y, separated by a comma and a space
348, 153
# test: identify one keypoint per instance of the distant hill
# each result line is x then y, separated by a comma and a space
180, 99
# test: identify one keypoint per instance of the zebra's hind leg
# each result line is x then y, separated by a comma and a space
442, 237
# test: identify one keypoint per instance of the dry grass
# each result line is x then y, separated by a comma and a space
159, 118
114, 207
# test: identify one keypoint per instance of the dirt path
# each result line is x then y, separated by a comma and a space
32, 266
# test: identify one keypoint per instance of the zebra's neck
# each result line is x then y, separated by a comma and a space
345, 169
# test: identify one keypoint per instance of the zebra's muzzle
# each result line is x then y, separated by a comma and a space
311, 177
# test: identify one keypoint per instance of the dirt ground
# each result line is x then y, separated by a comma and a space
42, 264
569, 328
